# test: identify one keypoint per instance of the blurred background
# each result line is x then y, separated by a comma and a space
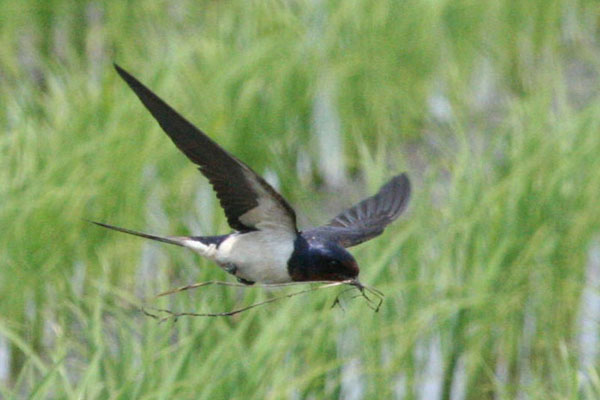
491, 277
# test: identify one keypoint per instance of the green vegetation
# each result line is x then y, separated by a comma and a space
493, 108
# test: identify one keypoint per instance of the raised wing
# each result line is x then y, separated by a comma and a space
368, 218
250, 203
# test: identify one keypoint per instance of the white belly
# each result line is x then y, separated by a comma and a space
259, 256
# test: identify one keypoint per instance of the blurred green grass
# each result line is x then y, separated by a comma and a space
491, 107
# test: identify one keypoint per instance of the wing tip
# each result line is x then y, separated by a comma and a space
402, 180
396, 194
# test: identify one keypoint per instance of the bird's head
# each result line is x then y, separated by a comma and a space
323, 262
334, 263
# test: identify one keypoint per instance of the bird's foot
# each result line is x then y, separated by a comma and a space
230, 268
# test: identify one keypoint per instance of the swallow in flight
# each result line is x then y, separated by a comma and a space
266, 246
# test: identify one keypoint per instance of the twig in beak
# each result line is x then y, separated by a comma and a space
236, 284
175, 315
364, 291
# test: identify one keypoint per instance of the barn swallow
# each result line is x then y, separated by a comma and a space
266, 246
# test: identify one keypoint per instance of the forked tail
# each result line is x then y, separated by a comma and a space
171, 240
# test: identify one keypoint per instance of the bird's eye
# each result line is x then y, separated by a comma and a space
333, 263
